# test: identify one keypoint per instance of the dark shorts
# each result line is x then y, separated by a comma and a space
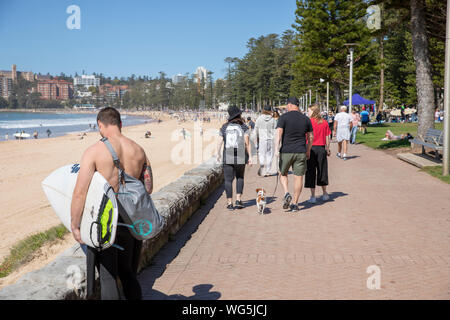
295, 160
364, 122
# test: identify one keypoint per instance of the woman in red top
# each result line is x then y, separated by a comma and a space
317, 165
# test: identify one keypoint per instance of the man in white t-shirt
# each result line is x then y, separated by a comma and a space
342, 128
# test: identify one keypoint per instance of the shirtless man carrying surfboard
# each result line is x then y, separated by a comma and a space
112, 262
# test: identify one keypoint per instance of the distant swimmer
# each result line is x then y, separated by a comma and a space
35, 135
48, 133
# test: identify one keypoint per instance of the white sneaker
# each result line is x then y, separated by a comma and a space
325, 197
312, 200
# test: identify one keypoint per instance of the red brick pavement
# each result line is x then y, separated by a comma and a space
382, 212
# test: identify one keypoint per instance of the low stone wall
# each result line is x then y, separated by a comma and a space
65, 277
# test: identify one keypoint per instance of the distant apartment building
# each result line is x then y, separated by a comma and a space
113, 91
5, 86
55, 89
177, 79
201, 74
87, 81
13, 74
41, 77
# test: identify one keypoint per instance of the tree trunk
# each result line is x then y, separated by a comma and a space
337, 94
424, 83
382, 64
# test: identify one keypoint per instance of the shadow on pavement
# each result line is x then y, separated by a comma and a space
333, 195
352, 157
170, 251
201, 292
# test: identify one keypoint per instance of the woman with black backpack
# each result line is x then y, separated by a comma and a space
236, 154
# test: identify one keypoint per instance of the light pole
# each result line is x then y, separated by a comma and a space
350, 93
446, 155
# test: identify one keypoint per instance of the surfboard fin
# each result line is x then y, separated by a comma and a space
118, 247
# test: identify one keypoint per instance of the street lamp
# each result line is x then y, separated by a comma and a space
350, 93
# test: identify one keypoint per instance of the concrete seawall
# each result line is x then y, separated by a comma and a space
64, 278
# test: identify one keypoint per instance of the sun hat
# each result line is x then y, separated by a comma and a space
233, 112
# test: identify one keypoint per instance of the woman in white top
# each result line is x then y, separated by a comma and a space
342, 128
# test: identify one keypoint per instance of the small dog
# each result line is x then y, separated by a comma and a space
261, 200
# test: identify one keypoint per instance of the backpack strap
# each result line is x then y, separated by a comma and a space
114, 156
113, 153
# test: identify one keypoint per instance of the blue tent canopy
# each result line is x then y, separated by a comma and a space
357, 100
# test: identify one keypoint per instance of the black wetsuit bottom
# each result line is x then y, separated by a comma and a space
113, 263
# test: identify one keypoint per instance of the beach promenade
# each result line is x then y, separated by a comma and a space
382, 212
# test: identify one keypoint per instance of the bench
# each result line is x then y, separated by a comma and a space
433, 139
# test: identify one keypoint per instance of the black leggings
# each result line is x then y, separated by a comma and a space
115, 263
317, 168
231, 171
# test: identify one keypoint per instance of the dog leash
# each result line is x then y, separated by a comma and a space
276, 185
278, 178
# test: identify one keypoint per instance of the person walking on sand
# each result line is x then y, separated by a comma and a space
265, 128
236, 154
293, 129
342, 128
317, 164
113, 262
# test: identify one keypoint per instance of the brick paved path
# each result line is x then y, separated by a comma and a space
382, 212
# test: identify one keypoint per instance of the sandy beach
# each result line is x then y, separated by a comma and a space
25, 163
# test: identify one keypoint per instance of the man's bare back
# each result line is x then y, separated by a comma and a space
132, 159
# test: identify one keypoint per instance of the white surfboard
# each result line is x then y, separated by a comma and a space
99, 220
22, 135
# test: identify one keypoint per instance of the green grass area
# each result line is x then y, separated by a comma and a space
437, 172
376, 132
22, 252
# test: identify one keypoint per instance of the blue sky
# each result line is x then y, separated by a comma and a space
141, 37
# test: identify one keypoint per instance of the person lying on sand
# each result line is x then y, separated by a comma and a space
389, 136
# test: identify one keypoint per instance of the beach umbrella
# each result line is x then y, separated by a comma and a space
410, 111
396, 113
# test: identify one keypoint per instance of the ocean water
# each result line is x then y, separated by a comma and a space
58, 123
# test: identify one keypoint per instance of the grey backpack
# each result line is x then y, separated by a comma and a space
136, 206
